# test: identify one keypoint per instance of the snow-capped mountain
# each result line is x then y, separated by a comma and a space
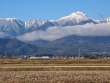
77, 18
12, 26
77, 23
35, 24
60, 36
15, 27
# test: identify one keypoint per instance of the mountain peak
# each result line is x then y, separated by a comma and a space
79, 15
75, 16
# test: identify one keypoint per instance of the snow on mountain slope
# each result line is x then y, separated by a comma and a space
34, 24
62, 36
12, 26
77, 18
77, 23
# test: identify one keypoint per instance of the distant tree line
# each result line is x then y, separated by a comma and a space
51, 56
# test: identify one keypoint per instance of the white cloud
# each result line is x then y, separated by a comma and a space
53, 33
3, 35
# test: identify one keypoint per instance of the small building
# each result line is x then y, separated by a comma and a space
42, 57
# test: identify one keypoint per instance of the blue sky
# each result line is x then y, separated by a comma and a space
53, 9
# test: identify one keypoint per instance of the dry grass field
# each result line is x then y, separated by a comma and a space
55, 77
55, 71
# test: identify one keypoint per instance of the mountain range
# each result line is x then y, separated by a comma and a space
63, 36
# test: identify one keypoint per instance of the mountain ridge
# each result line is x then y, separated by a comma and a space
59, 37
16, 26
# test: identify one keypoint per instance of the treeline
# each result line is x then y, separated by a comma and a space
81, 56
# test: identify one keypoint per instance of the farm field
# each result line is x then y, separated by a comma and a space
55, 71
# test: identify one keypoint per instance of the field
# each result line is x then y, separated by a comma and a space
55, 71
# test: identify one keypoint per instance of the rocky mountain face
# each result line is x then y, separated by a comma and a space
12, 26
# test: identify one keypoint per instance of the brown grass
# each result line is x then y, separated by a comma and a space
55, 77
45, 71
